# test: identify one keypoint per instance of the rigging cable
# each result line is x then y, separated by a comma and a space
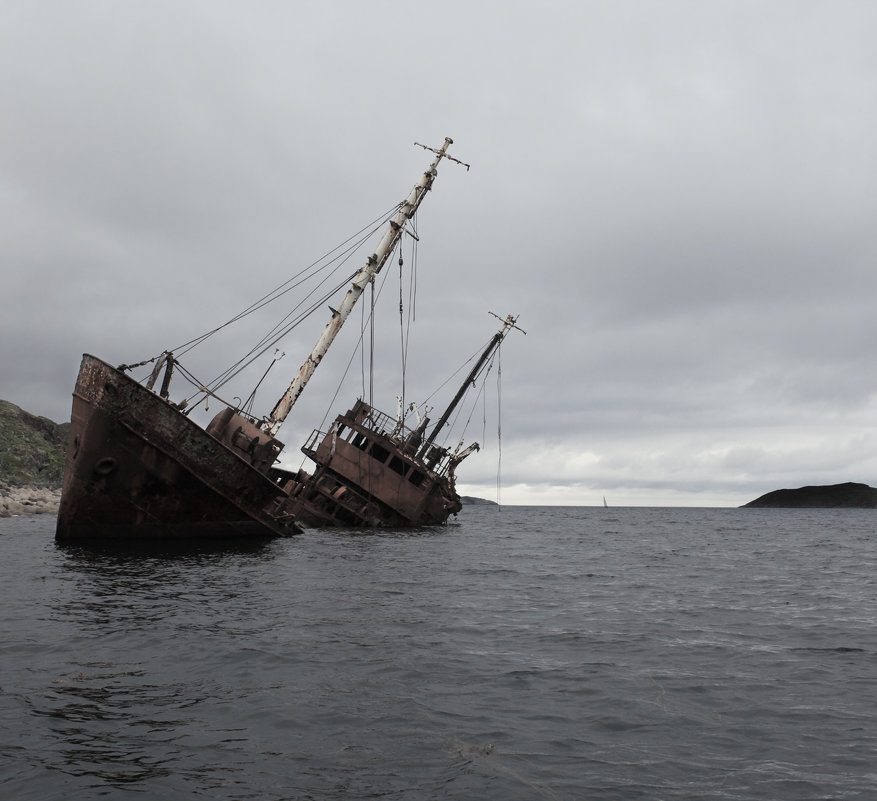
498, 421
484, 419
412, 304
290, 283
248, 359
360, 348
456, 372
371, 351
485, 373
247, 407
403, 340
412, 294
339, 255
279, 331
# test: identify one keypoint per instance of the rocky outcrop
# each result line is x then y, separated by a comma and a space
16, 501
32, 452
31, 448
830, 496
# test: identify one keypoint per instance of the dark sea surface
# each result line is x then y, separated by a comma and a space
523, 653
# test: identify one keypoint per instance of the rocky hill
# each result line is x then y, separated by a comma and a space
830, 496
31, 448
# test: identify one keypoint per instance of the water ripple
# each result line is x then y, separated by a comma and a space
522, 654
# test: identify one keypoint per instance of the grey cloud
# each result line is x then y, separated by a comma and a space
677, 198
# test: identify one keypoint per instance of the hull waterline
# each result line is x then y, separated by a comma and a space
369, 476
137, 468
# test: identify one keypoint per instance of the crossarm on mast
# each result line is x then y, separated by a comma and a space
361, 280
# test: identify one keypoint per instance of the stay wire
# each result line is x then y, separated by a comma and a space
412, 287
498, 423
405, 326
292, 282
456, 372
484, 371
402, 336
342, 253
282, 328
285, 326
361, 348
275, 335
223, 378
371, 351
358, 347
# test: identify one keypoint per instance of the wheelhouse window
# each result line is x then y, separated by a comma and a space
379, 453
416, 478
398, 466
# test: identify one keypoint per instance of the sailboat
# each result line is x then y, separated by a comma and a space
138, 466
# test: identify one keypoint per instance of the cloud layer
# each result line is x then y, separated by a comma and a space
676, 198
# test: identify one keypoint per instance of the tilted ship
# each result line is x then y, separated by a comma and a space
138, 467
374, 471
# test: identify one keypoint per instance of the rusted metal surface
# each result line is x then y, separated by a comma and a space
138, 468
371, 471
369, 476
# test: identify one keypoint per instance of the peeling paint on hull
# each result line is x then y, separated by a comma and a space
367, 476
139, 469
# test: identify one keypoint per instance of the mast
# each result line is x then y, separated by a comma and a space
372, 267
494, 343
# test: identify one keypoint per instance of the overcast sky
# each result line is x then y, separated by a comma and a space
677, 198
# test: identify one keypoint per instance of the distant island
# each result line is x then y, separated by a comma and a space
469, 500
832, 496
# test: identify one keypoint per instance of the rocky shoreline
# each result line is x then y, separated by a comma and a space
28, 500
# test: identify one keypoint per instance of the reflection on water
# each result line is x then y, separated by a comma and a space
133, 621
130, 589
191, 550
112, 724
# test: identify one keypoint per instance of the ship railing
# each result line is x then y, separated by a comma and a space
443, 463
377, 421
314, 440
387, 425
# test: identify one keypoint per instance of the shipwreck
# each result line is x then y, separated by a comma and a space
139, 467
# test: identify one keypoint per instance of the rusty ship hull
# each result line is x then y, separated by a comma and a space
137, 468
369, 474
372, 471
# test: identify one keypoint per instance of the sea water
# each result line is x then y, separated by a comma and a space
521, 653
